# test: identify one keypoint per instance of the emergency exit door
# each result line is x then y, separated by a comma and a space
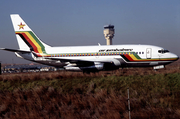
148, 53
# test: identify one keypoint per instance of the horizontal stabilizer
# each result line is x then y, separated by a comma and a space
15, 50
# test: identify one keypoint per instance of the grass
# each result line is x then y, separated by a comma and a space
153, 94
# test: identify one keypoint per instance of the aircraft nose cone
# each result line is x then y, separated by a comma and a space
175, 57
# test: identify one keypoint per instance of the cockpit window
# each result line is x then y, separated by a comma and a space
163, 51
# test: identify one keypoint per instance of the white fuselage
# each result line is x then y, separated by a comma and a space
118, 55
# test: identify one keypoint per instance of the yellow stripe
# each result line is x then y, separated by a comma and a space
133, 57
35, 43
169, 59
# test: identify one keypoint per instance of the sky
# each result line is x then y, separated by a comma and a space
80, 22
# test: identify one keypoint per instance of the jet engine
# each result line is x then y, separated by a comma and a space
93, 68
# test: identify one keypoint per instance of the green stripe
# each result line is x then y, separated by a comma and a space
136, 56
37, 40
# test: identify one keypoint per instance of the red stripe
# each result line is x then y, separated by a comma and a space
128, 57
31, 43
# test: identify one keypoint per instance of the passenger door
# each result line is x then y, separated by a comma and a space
148, 53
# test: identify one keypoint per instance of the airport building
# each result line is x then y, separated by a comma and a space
109, 33
26, 68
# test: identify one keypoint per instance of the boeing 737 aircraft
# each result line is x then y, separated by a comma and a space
86, 58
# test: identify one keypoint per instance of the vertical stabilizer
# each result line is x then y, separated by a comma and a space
27, 40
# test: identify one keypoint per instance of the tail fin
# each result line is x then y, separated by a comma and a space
27, 40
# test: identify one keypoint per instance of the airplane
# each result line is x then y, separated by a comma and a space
86, 58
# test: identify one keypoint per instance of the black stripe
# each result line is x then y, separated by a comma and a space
31, 48
124, 57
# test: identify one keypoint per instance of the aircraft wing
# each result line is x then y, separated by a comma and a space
87, 62
79, 60
15, 50
93, 64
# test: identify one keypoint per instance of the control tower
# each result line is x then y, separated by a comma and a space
109, 33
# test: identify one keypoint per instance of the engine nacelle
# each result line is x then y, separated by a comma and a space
116, 62
93, 68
